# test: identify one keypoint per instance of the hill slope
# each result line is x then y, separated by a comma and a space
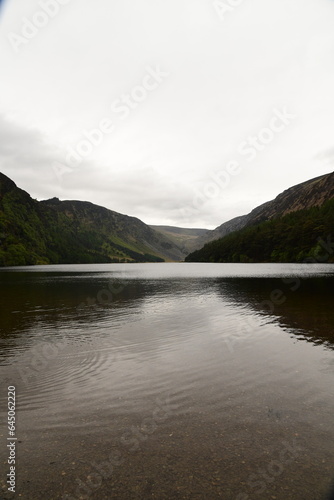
185, 238
55, 231
287, 229
308, 194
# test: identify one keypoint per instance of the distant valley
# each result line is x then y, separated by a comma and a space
286, 229
187, 239
56, 232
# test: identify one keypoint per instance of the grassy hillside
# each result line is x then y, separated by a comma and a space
292, 238
186, 238
308, 194
56, 232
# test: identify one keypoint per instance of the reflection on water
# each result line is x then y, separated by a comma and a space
303, 306
235, 359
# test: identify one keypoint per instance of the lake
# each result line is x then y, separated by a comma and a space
169, 381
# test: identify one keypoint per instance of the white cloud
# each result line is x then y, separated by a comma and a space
225, 78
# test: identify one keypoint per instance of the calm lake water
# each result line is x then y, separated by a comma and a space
169, 381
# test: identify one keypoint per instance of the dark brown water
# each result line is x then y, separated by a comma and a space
169, 381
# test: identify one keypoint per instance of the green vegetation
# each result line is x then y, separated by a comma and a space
185, 238
291, 238
33, 232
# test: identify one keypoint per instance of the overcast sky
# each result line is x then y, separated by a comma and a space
179, 112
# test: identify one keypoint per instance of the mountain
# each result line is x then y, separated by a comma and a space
226, 228
54, 231
287, 229
185, 238
308, 194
